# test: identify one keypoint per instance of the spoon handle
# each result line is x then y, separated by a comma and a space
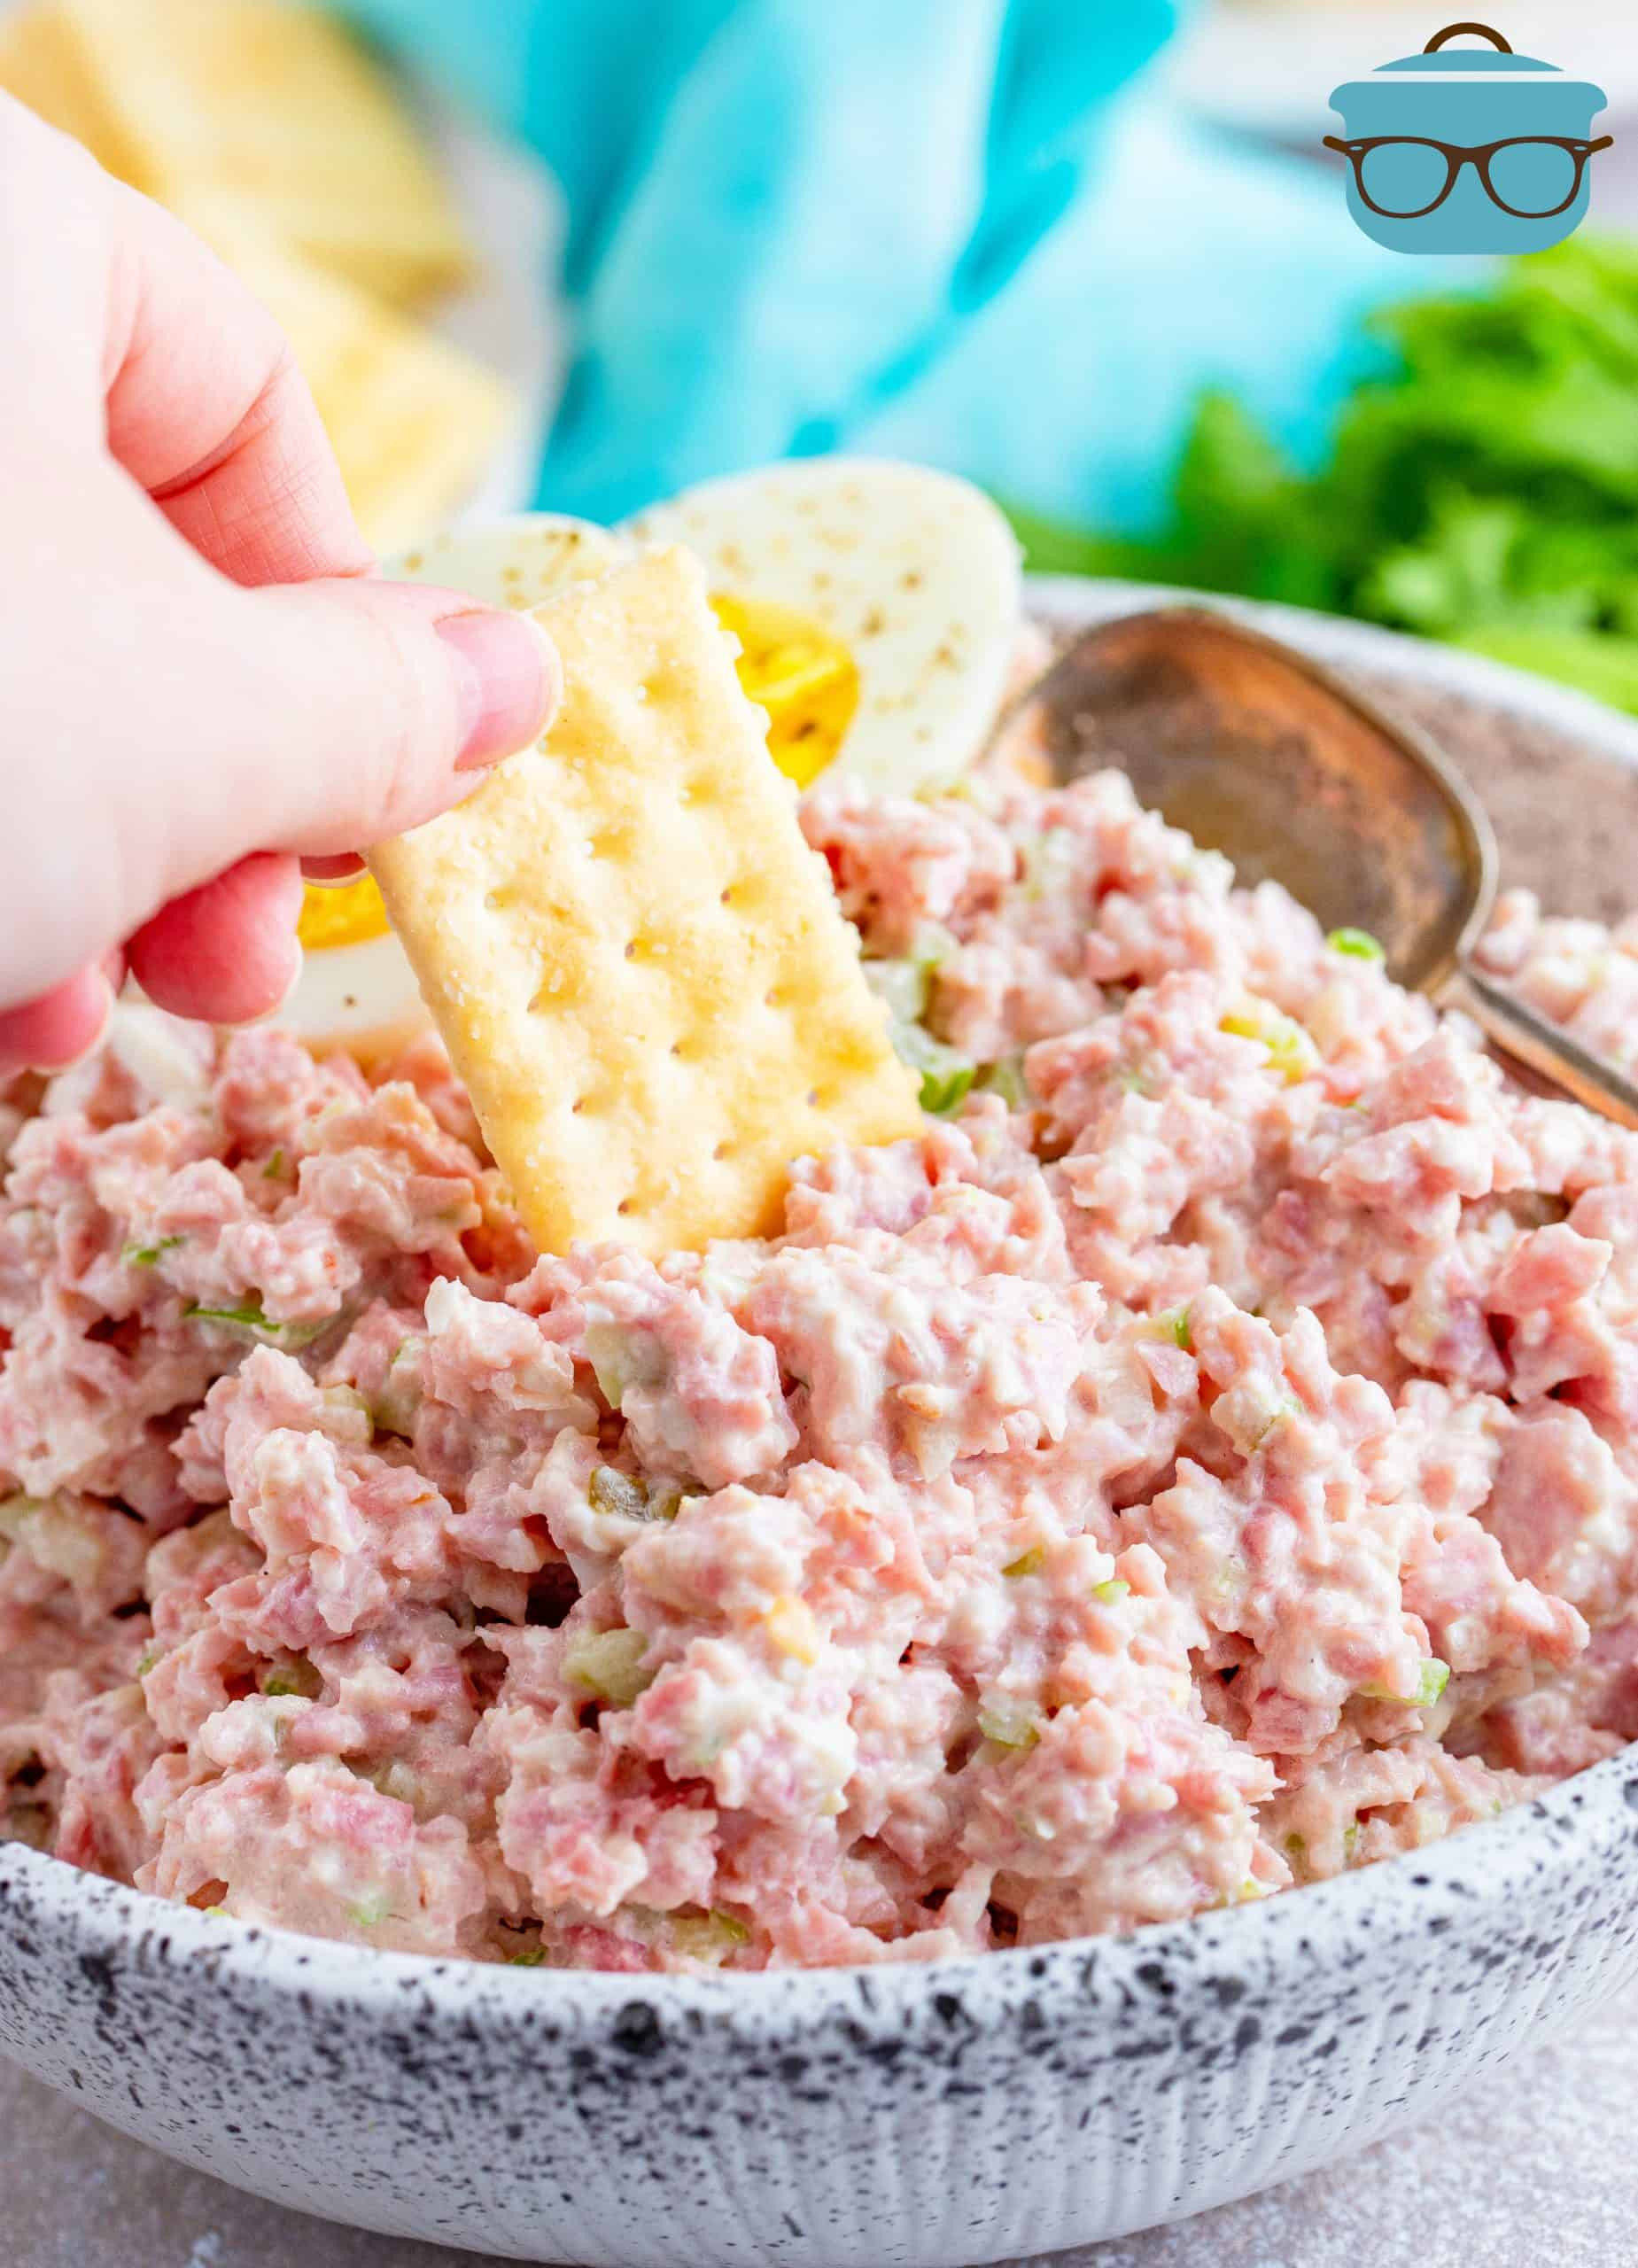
1547, 1055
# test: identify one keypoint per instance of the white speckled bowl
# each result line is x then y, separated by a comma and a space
959, 2112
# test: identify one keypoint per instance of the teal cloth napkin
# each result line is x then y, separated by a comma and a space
962, 230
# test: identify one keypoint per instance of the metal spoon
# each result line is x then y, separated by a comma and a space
1259, 752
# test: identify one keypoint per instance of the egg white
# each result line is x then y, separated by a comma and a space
916, 572
363, 997
514, 562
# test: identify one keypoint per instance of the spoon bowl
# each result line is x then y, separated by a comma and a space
1258, 751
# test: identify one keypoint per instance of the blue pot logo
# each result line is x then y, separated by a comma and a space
1468, 150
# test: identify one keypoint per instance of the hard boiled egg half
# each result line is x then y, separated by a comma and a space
877, 607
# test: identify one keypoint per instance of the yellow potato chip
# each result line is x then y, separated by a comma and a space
638, 967
412, 419
257, 99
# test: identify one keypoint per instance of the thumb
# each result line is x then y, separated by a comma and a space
164, 723
367, 707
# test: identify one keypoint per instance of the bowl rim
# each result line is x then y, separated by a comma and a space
1070, 600
1492, 1863
1475, 1867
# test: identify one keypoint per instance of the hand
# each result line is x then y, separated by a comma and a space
199, 685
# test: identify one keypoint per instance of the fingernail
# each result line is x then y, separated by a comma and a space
507, 677
336, 872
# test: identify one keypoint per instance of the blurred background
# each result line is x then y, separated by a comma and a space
585, 253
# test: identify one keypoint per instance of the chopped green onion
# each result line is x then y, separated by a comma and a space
609, 1663
1431, 1682
147, 1662
945, 1075
1269, 1407
394, 1408
943, 1090
245, 1318
530, 1957
296, 1677
1435, 1677
275, 1166
371, 1913
1350, 1837
903, 984
707, 1936
1358, 944
620, 1359
1028, 1563
251, 1319
1113, 1592
143, 1255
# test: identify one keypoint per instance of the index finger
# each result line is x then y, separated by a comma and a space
206, 408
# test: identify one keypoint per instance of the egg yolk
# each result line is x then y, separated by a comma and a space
350, 914
806, 681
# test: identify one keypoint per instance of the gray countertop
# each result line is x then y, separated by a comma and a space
1534, 2165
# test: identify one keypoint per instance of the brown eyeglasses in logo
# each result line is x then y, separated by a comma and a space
1393, 166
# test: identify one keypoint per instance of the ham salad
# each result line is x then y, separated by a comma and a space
1203, 1460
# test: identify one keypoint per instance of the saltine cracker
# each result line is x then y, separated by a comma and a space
638, 965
